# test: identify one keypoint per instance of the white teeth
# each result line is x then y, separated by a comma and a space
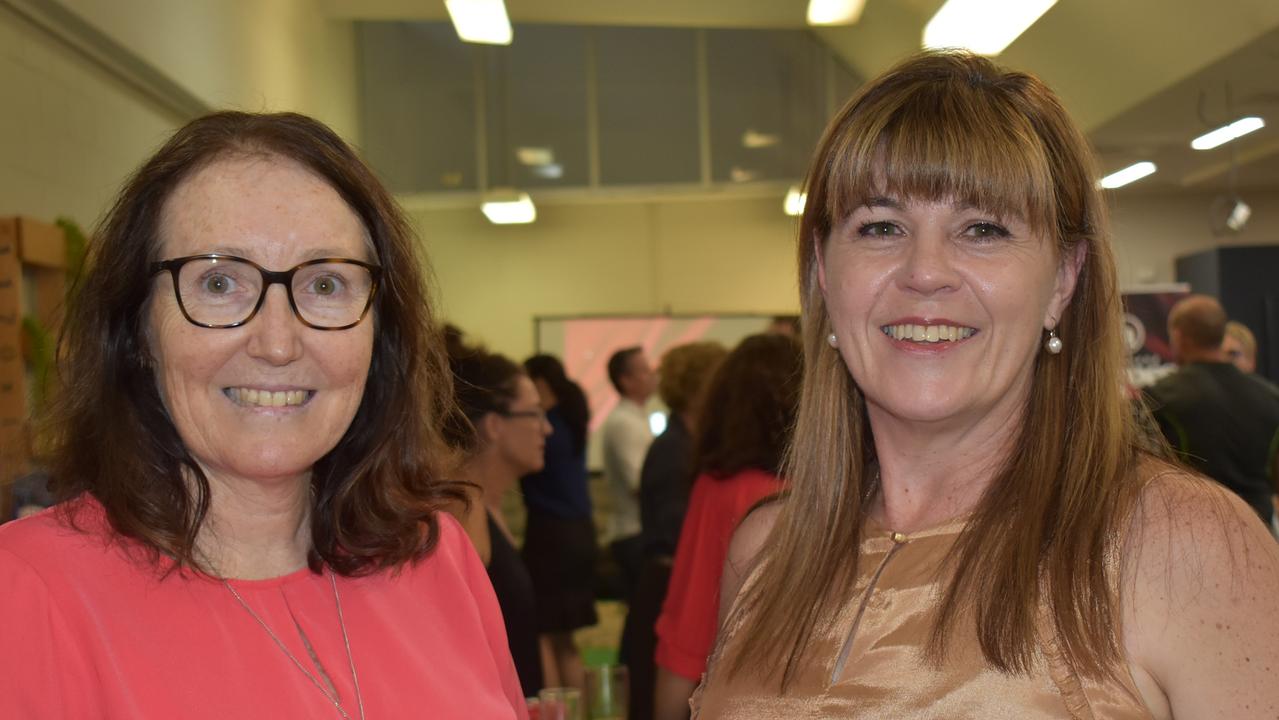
266, 398
928, 333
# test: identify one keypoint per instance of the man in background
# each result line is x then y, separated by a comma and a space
626, 437
1240, 346
1222, 421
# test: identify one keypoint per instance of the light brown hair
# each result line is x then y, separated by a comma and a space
1201, 321
685, 371
952, 125
376, 493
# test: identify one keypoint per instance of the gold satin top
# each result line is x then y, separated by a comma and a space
883, 630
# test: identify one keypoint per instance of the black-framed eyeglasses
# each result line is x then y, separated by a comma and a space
225, 291
539, 415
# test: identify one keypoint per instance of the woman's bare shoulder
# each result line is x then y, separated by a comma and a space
745, 549
1200, 596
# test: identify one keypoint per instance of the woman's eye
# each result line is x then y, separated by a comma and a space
877, 229
987, 231
326, 285
218, 284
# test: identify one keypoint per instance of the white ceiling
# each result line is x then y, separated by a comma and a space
1130, 71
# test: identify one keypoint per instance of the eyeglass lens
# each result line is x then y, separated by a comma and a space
220, 291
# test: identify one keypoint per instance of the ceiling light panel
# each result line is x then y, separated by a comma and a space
835, 12
480, 21
985, 27
509, 208
1130, 174
1223, 135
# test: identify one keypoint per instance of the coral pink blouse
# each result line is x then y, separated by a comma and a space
90, 631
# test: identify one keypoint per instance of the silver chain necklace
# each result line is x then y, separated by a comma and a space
355, 680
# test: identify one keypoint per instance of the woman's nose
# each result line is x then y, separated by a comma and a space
929, 265
275, 333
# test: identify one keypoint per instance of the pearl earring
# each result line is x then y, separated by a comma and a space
834, 341
1053, 343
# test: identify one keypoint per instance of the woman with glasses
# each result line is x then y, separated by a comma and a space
247, 454
501, 434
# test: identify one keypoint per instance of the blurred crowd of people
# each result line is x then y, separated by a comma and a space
674, 499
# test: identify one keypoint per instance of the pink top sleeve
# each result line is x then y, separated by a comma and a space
686, 628
90, 631
38, 658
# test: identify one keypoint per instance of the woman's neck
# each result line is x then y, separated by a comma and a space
493, 476
930, 474
256, 530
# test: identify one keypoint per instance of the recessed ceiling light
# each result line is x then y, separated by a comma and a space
754, 140
508, 207
1132, 173
835, 12
984, 26
480, 21
1223, 135
534, 156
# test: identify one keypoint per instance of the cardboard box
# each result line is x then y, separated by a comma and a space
33, 259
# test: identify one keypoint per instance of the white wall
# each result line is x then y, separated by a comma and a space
256, 55
1151, 231
714, 256
68, 132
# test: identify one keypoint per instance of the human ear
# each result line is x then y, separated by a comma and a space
1068, 270
489, 427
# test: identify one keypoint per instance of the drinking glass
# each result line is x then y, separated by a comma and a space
560, 704
607, 692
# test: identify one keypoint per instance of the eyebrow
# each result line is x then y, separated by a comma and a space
882, 202
317, 253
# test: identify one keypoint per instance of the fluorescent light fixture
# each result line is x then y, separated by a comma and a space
480, 21
507, 207
1132, 173
794, 202
835, 12
1223, 135
984, 26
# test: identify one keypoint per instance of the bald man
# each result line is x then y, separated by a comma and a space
1222, 421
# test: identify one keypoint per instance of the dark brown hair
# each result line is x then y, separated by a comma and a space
749, 407
952, 125
485, 383
619, 364
570, 399
375, 493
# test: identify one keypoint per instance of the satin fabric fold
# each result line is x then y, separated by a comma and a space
886, 623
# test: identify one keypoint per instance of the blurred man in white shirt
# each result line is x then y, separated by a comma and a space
626, 437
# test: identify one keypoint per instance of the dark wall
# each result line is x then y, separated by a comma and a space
1246, 281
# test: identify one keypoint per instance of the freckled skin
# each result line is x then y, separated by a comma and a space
277, 214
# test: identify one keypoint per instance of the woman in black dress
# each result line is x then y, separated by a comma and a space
500, 432
559, 542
